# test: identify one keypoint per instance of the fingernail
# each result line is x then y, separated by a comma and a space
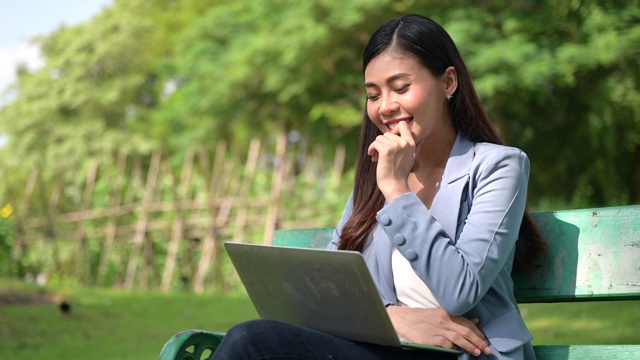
476, 352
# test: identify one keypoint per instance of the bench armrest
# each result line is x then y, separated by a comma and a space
191, 345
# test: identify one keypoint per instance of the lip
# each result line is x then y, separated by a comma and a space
389, 123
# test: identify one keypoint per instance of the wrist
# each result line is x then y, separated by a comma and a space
395, 192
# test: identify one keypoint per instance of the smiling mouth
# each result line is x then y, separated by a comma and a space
392, 124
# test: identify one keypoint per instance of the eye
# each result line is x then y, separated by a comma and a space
373, 97
402, 89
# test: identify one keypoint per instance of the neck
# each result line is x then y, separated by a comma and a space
435, 150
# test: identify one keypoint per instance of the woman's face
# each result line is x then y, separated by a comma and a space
399, 88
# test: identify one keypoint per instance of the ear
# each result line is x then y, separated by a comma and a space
450, 80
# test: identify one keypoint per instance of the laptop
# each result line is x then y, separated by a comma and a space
325, 290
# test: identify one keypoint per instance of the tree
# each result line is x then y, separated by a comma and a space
558, 78
78, 106
263, 67
561, 80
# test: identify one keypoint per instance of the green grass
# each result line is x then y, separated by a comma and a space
108, 324
112, 325
613, 322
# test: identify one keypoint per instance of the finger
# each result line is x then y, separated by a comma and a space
373, 152
385, 144
378, 146
463, 343
395, 141
442, 342
477, 339
374, 146
402, 137
468, 330
372, 149
405, 132
464, 324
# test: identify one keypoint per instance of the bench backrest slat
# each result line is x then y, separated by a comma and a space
594, 254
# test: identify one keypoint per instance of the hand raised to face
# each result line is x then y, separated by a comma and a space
395, 153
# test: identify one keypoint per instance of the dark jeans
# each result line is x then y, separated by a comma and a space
270, 339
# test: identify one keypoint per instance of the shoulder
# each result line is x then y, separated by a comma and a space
488, 154
492, 161
489, 149
471, 158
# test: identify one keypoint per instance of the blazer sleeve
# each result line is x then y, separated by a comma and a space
459, 273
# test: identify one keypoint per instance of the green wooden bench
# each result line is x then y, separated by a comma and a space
594, 255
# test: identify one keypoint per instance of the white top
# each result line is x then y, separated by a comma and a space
410, 289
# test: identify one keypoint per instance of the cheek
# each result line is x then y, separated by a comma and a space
372, 111
424, 106
417, 101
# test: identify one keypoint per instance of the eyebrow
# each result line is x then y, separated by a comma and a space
389, 80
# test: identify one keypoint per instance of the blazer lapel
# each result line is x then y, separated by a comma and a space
446, 204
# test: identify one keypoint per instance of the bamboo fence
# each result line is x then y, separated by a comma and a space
142, 222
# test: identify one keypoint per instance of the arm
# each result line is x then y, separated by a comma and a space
427, 326
460, 272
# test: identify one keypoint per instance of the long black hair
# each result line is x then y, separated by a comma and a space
427, 42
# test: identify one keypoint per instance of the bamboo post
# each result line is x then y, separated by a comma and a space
310, 172
81, 238
111, 228
217, 173
276, 188
203, 158
177, 229
21, 213
141, 225
50, 232
250, 169
145, 267
242, 212
209, 248
206, 173
136, 181
146, 272
207, 170
133, 193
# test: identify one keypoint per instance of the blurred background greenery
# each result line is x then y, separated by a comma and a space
559, 79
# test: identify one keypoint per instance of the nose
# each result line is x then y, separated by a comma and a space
388, 106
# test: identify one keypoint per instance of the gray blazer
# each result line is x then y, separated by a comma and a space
463, 247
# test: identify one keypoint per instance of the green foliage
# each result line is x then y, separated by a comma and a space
559, 79
267, 67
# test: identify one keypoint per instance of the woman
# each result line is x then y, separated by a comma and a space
437, 207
